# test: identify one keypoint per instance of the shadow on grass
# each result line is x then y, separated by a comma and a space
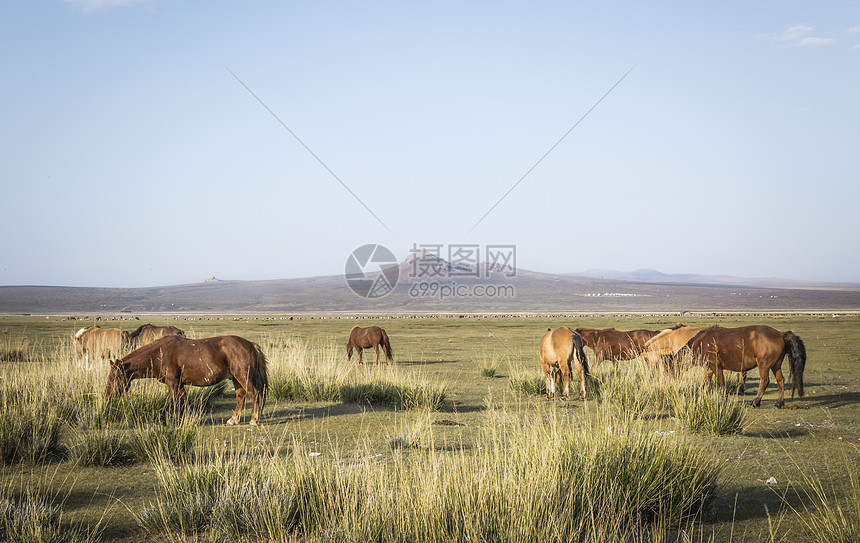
791, 433
828, 400
423, 362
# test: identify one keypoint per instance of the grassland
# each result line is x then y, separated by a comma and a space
484, 430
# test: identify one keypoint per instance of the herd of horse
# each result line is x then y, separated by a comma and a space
717, 348
165, 354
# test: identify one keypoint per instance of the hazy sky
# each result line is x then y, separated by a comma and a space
133, 157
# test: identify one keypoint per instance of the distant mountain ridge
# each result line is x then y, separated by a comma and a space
648, 275
516, 290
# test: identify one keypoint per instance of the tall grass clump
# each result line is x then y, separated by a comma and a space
100, 447
526, 382
33, 518
831, 513
394, 390
300, 371
551, 481
707, 410
171, 442
489, 369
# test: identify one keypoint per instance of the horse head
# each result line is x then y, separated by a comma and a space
349, 350
118, 379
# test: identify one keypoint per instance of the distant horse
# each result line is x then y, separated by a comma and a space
101, 343
177, 362
744, 348
365, 338
615, 345
147, 333
560, 350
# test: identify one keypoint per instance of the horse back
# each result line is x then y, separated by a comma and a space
210, 360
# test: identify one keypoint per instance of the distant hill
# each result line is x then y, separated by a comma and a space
527, 291
647, 275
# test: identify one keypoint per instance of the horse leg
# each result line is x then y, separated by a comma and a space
177, 392
777, 373
581, 373
360, 355
376, 348
565, 382
742, 387
763, 375
549, 377
240, 403
709, 372
721, 378
255, 403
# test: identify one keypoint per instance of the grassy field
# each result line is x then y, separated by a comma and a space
480, 461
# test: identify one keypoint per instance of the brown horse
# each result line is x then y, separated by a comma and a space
101, 343
177, 362
147, 333
615, 345
744, 348
365, 338
559, 350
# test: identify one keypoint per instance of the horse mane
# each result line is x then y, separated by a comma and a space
676, 326
689, 344
139, 330
148, 348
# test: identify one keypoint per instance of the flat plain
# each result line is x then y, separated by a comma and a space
815, 441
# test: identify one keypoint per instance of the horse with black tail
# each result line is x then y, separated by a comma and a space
744, 348
560, 352
365, 338
176, 362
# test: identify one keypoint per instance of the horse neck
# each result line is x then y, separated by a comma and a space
144, 363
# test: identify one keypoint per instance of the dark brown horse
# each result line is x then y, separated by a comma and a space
147, 333
560, 350
744, 348
177, 362
365, 338
615, 345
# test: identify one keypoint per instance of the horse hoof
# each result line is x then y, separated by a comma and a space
252, 423
780, 405
231, 422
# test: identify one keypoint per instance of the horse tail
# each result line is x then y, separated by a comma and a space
386, 345
580, 353
260, 374
797, 358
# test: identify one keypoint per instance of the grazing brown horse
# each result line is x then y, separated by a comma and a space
615, 345
177, 362
365, 338
559, 350
147, 333
744, 348
101, 343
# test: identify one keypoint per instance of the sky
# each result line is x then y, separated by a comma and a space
150, 142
